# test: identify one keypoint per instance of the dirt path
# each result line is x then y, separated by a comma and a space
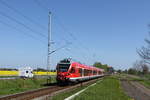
135, 90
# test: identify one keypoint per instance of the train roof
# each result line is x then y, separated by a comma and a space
86, 66
69, 61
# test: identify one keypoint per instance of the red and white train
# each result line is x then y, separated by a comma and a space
68, 71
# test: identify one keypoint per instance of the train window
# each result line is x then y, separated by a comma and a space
72, 70
94, 72
99, 72
85, 72
80, 71
90, 72
63, 67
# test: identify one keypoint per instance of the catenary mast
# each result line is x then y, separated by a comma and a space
49, 44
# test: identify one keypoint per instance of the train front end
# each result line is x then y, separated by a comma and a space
62, 71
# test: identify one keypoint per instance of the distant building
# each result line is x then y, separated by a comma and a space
26, 72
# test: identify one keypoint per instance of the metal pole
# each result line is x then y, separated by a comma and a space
49, 44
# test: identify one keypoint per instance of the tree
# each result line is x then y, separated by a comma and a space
144, 52
97, 64
132, 71
125, 71
140, 67
119, 71
40, 69
137, 66
100, 65
145, 69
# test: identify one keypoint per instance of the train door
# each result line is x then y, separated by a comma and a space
73, 70
82, 72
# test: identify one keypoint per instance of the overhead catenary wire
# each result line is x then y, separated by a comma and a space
74, 38
24, 16
59, 48
76, 45
27, 34
22, 24
41, 5
22, 32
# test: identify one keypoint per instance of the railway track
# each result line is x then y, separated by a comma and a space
44, 92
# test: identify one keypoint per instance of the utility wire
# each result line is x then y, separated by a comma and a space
62, 26
22, 24
74, 38
59, 48
76, 45
20, 13
47, 9
15, 28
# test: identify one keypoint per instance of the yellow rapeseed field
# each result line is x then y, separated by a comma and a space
9, 73
16, 73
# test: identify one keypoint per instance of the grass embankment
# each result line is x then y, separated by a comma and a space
107, 89
145, 80
20, 85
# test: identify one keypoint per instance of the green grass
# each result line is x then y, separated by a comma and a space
145, 80
64, 95
7, 76
146, 83
107, 89
20, 85
147, 76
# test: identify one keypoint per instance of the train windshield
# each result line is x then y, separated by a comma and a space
63, 67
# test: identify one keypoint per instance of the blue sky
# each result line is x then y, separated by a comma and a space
108, 31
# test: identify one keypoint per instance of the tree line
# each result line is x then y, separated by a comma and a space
107, 69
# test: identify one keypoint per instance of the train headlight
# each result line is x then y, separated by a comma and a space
68, 74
